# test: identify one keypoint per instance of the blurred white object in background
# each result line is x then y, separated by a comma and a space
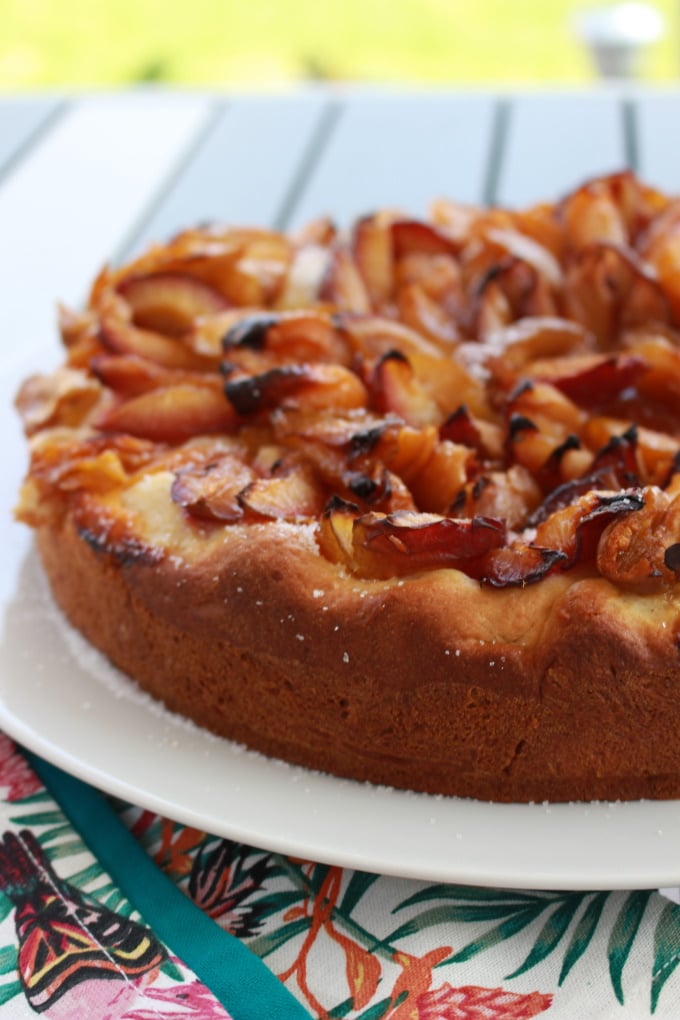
617, 36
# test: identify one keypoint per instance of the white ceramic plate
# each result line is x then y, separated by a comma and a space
62, 700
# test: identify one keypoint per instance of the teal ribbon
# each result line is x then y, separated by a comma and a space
238, 979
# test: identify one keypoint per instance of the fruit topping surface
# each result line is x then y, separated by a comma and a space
488, 390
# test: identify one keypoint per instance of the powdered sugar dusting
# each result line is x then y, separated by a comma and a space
304, 534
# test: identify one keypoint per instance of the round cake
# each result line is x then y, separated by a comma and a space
400, 503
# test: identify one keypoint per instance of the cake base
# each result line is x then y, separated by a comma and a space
579, 714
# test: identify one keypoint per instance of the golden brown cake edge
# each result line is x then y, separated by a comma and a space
585, 708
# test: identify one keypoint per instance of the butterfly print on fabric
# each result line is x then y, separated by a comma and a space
67, 939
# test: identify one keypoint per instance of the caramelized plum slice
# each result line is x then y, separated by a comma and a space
619, 456
343, 451
576, 530
422, 312
550, 474
356, 432
410, 236
395, 388
660, 246
564, 496
407, 450
485, 437
609, 287
531, 448
245, 266
641, 550
63, 398
291, 494
76, 327
437, 482
460, 428
308, 267
508, 495
172, 414
293, 336
513, 347
615, 466
169, 302
251, 331
372, 247
509, 290
343, 284
310, 386
210, 491
379, 489
372, 336
334, 533
130, 375
552, 411
592, 214
518, 565
598, 382
656, 402
540, 421
449, 383
655, 448
526, 250
406, 542
118, 335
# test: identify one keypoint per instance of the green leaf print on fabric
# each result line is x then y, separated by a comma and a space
583, 933
623, 935
521, 919
263, 945
580, 914
551, 934
358, 885
8, 960
666, 949
10, 991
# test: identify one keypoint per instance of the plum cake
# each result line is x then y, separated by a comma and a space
399, 502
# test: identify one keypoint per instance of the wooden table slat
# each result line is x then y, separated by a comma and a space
554, 142
76, 196
401, 151
245, 167
22, 118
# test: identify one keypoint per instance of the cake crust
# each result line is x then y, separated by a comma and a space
263, 647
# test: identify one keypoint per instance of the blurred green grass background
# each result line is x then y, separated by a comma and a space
263, 43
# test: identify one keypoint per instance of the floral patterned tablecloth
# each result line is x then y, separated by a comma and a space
110, 912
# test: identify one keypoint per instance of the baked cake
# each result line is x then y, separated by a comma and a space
400, 503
